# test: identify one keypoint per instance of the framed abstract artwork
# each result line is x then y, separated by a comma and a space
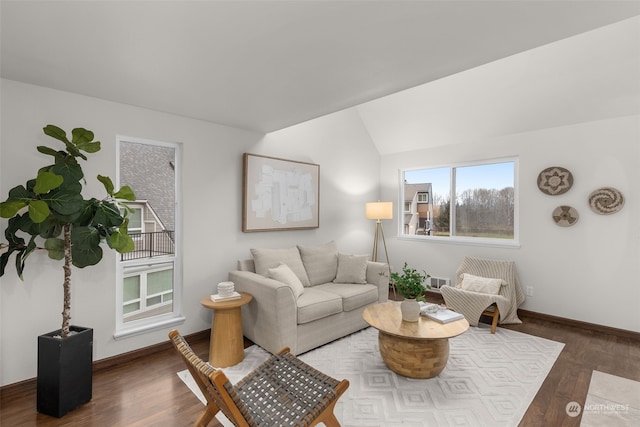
279, 194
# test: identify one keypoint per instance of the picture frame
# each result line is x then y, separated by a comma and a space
279, 194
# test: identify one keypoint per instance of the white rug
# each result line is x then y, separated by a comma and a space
611, 401
490, 380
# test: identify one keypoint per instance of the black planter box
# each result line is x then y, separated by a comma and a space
64, 371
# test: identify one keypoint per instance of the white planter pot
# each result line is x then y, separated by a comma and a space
410, 309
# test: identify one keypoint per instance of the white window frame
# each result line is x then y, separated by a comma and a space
136, 327
141, 229
454, 239
144, 296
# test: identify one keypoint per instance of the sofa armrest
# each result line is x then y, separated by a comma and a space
378, 274
270, 319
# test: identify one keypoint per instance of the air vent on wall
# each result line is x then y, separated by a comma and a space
438, 282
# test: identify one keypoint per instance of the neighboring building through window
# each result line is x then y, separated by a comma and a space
150, 279
484, 206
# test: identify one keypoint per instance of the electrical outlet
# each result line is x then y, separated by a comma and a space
529, 291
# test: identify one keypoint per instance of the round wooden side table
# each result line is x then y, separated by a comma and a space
226, 345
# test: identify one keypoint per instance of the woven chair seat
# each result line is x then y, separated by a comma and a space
282, 391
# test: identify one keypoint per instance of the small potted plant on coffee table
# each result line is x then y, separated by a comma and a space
410, 284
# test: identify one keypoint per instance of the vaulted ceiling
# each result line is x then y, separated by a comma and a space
266, 65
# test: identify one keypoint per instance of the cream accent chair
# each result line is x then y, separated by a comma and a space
472, 304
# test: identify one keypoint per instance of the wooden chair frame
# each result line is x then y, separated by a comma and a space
494, 313
222, 396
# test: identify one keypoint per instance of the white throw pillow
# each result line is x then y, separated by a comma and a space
284, 274
264, 259
352, 269
320, 262
483, 285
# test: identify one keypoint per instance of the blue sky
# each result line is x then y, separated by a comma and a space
494, 175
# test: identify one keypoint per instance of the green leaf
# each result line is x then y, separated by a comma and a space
121, 242
55, 247
85, 257
10, 208
108, 184
107, 215
85, 237
65, 202
16, 223
91, 147
125, 193
81, 136
83, 140
55, 132
20, 262
30, 248
70, 170
38, 211
19, 192
58, 155
47, 181
48, 228
4, 260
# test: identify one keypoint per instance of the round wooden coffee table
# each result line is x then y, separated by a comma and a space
412, 349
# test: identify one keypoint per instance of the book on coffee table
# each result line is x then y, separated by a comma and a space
445, 316
217, 297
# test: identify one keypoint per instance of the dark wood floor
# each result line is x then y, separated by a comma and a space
147, 392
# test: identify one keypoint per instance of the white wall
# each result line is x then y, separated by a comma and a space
212, 188
588, 272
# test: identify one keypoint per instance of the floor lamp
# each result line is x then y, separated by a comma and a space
379, 211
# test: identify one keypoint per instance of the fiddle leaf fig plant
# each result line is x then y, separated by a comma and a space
52, 209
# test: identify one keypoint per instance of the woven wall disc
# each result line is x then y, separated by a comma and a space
565, 216
606, 201
555, 180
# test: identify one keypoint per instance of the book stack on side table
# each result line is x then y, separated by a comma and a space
218, 297
226, 291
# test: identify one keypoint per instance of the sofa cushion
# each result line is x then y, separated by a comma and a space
353, 295
315, 304
320, 262
264, 259
284, 274
352, 269
483, 285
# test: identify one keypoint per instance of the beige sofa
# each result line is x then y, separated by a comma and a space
304, 297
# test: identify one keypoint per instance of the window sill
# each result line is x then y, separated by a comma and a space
148, 327
468, 241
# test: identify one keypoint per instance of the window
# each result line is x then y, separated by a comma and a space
147, 291
135, 220
483, 208
148, 294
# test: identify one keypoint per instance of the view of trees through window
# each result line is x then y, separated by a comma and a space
483, 195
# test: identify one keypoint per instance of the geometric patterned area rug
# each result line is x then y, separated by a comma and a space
489, 380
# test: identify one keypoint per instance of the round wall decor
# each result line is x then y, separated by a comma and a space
606, 200
555, 180
565, 216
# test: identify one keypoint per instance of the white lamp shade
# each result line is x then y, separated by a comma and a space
379, 210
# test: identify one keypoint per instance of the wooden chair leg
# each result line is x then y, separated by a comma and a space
331, 420
207, 416
494, 323
328, 417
